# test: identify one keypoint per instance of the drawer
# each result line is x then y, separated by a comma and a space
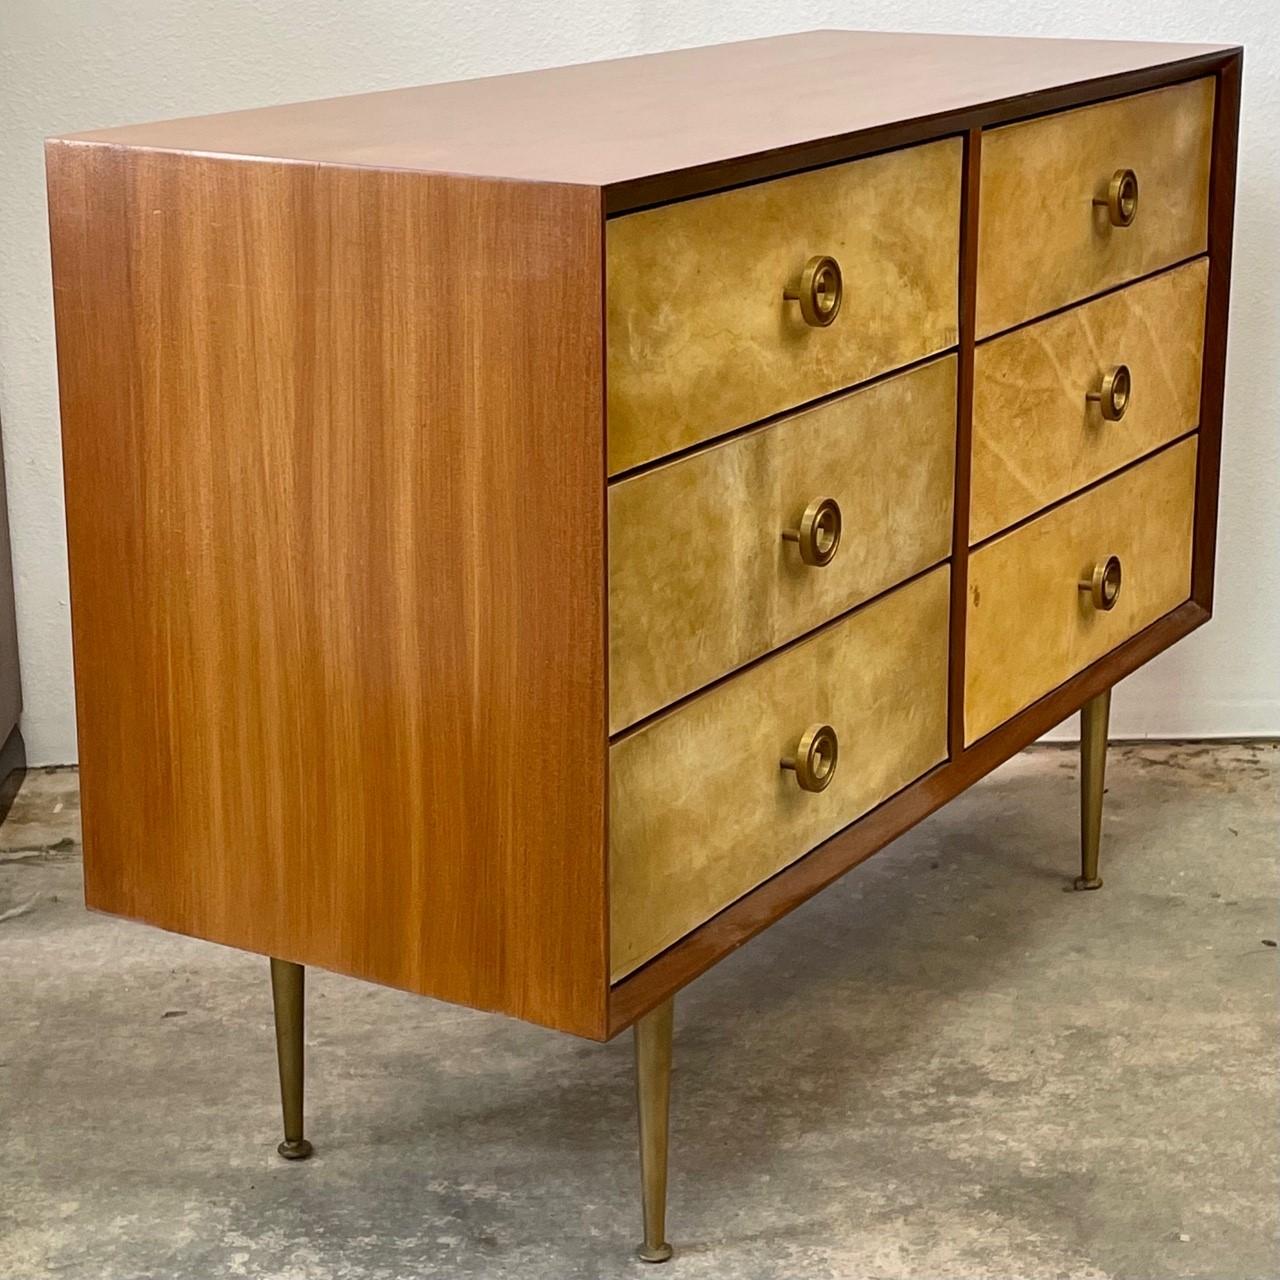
700, 809
1044, 243
700, 337
1030, 626
701, 578
1036, 438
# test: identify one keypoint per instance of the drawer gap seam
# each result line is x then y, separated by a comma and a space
774, 419
1084, 489
644, 721
1092, 297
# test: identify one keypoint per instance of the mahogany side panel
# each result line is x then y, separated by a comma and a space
1222, 207
334, 461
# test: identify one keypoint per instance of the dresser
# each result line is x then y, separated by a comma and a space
528, 535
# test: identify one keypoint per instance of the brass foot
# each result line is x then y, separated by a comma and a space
288, 990
660, 1254
1093, 767
653, 1098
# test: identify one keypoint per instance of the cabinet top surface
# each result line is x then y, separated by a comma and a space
602, 123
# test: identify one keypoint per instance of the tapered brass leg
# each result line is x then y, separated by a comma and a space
653, 1098
288, 985
1093, 766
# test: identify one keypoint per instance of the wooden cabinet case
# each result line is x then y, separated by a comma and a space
357, 607
528, 535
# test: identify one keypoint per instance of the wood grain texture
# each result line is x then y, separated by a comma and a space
1044, 244
1029, 628
1037, 439
700, 579
336, 526
701, 812
700, 337
794, 885
1222, 207
667, 124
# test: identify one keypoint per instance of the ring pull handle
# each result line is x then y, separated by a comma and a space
1103, 584
1113, 393
818, 535
1121, 200
814, 762
820, 291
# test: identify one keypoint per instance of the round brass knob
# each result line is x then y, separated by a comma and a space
1114, 393
818, 536
820, 291
1121, 200
1103, 583
815, 759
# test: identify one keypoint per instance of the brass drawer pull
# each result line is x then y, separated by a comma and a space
820, 291
818, 536
1114, 394
1103, 584
1121, 200
815, 759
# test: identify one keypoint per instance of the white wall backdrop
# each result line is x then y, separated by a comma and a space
80, 64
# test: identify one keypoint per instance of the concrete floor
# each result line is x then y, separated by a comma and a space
946, 1066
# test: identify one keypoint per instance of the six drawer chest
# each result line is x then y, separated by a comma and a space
528, 535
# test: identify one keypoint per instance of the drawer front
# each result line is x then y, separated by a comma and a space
1036, 438
1030, 626
701, 579
700, 337
700, 809
1043, 242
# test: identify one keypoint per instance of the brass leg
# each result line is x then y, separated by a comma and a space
1093, 766
288, 985
653, 1098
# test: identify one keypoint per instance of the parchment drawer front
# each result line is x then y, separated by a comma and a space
1043, 242
701, 809
1040, 603
1037, 436
721, 556
700, 337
